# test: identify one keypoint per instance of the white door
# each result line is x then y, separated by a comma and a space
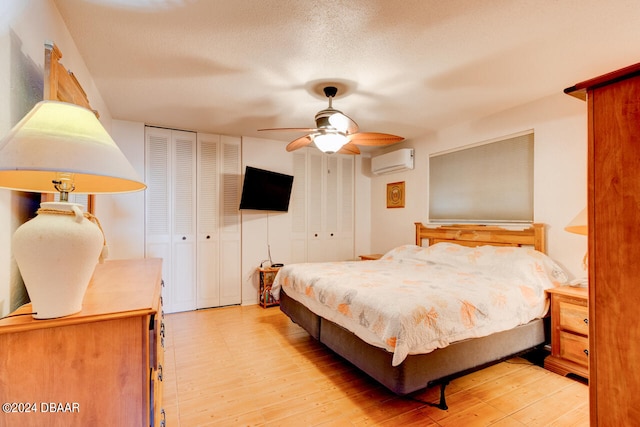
229, 231
208, 285
218, 268
157, 202
184, 220
298, 208
316, 250
346, 209
170, 212
329, 209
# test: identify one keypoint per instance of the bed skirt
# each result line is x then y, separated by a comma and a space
416, 371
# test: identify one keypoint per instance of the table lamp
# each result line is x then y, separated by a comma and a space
580, 225
61, 147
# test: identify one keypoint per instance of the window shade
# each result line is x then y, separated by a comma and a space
487, 182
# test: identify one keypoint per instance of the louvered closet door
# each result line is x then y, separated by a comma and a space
346, 208
330, 206
170, 212
339, 208
316, 250
208, 290
298, 208
158, 204
230, 242
218, 252
183, 294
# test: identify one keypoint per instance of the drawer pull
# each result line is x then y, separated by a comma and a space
586, 321
586, 351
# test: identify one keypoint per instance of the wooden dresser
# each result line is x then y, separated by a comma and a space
102, 366
613, 189
569, 331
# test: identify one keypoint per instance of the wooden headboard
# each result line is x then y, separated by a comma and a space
476, 235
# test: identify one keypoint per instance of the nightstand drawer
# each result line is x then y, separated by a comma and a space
569, 331
574, 348
574, 317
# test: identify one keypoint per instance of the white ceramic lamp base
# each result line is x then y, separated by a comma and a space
57, 254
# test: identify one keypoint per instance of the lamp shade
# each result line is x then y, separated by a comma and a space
579, 224
58, 137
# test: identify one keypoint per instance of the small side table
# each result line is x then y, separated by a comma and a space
267, 276
569, 331
370, 257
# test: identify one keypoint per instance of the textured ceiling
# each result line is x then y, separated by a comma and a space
410, 67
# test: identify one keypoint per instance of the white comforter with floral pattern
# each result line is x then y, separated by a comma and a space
415, 300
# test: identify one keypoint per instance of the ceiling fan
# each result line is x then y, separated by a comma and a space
335, 132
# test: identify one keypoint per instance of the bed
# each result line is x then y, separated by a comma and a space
356, 310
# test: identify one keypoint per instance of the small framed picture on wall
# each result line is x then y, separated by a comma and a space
395, 195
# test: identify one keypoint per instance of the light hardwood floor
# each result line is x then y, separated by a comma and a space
249, 366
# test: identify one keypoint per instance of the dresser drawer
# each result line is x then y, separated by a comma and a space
574, 348
573, 317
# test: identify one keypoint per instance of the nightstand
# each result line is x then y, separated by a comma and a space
267, 276
569, 331
370, 257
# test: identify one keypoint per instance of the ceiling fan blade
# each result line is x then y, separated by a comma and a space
290, 129
374, 138
349, 148
303, 141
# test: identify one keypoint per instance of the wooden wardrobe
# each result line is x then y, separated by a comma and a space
613, 103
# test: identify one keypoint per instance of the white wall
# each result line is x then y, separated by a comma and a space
271, 155
560, 192
262, 229
122, 216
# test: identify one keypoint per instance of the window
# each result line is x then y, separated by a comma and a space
486, 182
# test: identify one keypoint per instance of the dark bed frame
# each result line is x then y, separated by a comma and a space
442, 365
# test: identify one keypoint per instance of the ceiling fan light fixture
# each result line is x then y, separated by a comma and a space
339, 122
336, 132
330, 142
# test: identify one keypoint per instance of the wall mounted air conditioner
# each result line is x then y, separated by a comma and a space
394, 161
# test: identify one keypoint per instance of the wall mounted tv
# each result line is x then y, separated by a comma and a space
265, 190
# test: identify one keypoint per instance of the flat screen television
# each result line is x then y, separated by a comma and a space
265, 190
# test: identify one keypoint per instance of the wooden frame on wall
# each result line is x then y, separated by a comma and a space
60, 84
395, 195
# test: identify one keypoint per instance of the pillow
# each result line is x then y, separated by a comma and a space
402, 252
520, 263
523, 264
